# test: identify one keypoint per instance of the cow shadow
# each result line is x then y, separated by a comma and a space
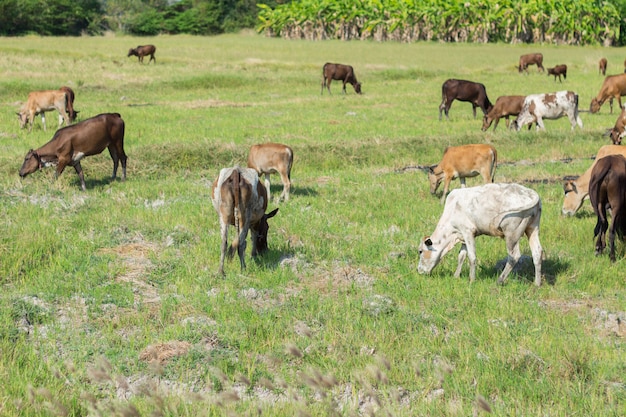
525, 269
92, 183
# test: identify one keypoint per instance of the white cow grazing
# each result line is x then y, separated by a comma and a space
549, 106
502, 210
241, 200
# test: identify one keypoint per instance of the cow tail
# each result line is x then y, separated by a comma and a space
494, 163
237, 196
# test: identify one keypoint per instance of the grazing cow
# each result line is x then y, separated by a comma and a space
618, 131
40, 102
613, 87
558, 71
501, 210
549, 106
602, 66
505, 106
607, 187
72, 143
462, 162
271, 158
241, 200
143, 50
464, 90
339, 72
71, 112
577, 190
530, 59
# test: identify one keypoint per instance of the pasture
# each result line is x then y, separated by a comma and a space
111, 303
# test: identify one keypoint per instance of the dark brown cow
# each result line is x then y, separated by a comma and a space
71, 112
613, 87
558, 71
240, 199
143, 50
72, 143
505, 106
464, 90
339, 72
607, 187
602, 66
531, 59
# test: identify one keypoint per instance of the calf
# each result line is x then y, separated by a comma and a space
72, 143
271, 158
464, 90
143, 50
549, 106
505, 106
617, 132
558, 71
241, 200
40, 102
602, 66
501, 210
530, 59
339, 72
613, 87
462, 162
577, 190
607, 188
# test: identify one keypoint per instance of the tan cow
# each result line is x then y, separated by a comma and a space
462, 162
613, 87
576, 191
271, 158
40, 102
241, 200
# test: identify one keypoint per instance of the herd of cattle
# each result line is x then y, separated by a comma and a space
508, 211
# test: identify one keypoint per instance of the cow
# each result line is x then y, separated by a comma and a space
72, 143
607, 187
143, 50
618, 131
39, 102
577, 190
501, 210
339, 72
530, 59
71, 111
548, 106
462, 162
464, 90
613, 87
240, 200
558, 71
505, 106
271, 158
602, 66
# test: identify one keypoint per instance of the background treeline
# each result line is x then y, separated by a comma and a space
577, 22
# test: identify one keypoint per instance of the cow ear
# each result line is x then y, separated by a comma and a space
428, 242
271, 214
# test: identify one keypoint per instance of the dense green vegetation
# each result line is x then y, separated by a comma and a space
111, 304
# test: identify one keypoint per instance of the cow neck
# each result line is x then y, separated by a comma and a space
48, 152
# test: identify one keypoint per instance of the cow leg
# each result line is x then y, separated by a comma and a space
446, 187
535, 247
117, 155
267, 184
474, 110
81, 175
224, 247
286, 186
512, 247
611, 102
43, 120
539, 122
462, 180
461, 259
243, 243
470, 245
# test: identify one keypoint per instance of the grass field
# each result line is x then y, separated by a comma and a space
111, 301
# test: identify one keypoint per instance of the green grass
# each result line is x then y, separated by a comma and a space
334, 320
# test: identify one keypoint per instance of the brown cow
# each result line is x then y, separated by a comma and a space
602, 66
39, 102
558, 71
339, 72
72, 143
530, 59
505, 106
607, 187
617, 132
613, 87
143, 50
241, 200
71, 112
577, 190
462, 162
464, 90
271, 158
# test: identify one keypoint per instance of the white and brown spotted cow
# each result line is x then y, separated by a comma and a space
538, 107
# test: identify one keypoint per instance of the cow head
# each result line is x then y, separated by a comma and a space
32, 163
429, 256
572, 200
595, 106
616, 136
434, 178
260, 232
357, 87
486, 123
132, 51
23, 119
